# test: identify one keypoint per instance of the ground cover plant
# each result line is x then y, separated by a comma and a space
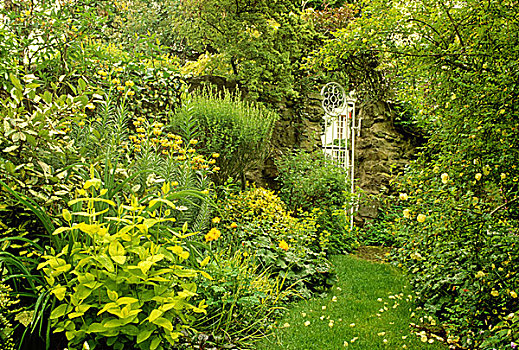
259, 225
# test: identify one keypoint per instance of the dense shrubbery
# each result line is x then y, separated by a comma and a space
455, 68
258, 224
239, 132
310, 181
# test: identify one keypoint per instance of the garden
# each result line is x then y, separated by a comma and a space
143, 206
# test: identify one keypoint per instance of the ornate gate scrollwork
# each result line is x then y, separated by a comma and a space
341, 126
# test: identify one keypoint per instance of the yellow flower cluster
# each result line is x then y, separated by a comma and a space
116, 82
212, 235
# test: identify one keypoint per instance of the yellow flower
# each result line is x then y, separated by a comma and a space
193, 142
216, 155
445, 178
420, 218
494, 293
120, 88
283, 245
403, 196
407, 214
216, 220
129, 83
212, 235
130, 93
102, 73
234, 225
480, 274
116, 81
478, 176
503, 176
513, 294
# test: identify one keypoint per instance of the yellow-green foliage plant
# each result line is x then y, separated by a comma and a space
257, 221
6, 327
242, 302
128, 282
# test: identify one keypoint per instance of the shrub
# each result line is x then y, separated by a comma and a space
125, 280
460, 247
6, 328
46, 141
257, 222
310, 180
239, 132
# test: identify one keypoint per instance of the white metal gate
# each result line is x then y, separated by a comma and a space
341, 126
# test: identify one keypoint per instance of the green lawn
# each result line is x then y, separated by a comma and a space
368, 308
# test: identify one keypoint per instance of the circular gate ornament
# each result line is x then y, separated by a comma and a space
334, 99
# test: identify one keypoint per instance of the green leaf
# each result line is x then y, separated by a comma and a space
47, 97
15, 82
11, 148
185, 273
117, 252
113, 323
59, 292
60, 311
96, 328
60, 230
108, 307
82, 84
144, 334
155, 314
82, 292
155, 343
66, 215
145, 266
164, 323
112, 295
105, 262
127, 300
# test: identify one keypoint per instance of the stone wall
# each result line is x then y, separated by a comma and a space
382, 149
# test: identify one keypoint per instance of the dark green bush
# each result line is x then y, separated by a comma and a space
309, 181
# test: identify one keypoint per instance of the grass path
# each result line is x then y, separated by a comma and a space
368, 308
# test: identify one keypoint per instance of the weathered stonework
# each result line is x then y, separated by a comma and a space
381, 150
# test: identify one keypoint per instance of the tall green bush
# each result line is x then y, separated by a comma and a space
238, 131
